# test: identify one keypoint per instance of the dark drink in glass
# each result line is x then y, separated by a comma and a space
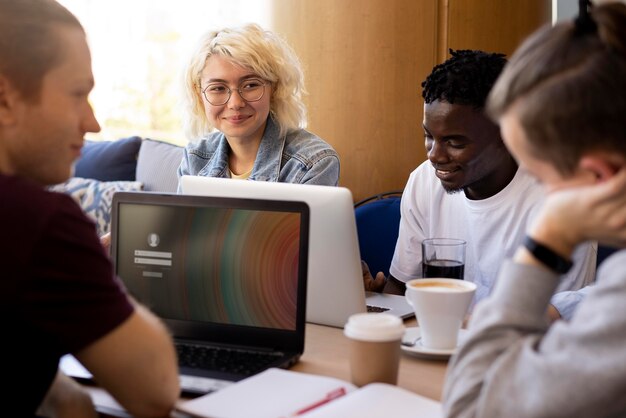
443, 257
451, 269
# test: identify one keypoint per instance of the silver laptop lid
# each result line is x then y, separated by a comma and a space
335, 289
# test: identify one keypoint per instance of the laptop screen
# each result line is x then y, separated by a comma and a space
222, 261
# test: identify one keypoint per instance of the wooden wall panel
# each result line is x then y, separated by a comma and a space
493, 25
364, 61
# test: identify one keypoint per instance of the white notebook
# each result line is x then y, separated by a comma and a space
282, 393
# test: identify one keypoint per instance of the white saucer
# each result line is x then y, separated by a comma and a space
411, 334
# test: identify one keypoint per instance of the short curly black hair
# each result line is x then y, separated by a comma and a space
465, 78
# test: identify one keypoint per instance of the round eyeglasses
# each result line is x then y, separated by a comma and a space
250, 90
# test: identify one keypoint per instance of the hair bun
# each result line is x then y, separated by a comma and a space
584, 23
611, 21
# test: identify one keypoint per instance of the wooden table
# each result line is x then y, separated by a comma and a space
326, 353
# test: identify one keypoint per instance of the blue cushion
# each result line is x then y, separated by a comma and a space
603, 253
109, 160
377, 225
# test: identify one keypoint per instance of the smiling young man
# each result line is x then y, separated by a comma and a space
470, 187
58, 292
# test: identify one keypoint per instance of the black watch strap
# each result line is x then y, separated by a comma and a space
547, 257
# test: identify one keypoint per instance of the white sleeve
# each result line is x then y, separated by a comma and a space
407, 258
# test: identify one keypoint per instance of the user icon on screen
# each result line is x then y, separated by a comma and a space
153, 240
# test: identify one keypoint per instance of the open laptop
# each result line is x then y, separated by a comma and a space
335, 286
226, 274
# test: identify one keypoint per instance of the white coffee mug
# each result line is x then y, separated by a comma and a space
440, 306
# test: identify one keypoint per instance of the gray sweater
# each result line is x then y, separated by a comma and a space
515, 365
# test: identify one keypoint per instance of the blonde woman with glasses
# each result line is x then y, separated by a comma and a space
244, 112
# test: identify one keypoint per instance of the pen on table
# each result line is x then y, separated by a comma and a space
334, 394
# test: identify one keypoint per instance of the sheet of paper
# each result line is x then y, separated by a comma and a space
379, 400
273, 393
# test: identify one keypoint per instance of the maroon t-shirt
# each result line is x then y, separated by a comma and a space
58, 292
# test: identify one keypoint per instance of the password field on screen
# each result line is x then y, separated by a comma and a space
153, 261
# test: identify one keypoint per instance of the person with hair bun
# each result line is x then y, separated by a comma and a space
470, 187
560, 103
243, 102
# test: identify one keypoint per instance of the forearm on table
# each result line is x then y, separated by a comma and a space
143, 377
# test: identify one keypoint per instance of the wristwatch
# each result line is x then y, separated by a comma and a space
547, 256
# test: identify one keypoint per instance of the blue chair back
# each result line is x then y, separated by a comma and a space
603, 253
377, 222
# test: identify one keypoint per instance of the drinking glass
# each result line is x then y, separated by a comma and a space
443, 258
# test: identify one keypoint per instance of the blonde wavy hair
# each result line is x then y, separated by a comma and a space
260, 51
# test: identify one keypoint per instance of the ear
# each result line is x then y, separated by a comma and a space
8, 101
601, 166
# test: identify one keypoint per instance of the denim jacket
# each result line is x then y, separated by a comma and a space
298, 157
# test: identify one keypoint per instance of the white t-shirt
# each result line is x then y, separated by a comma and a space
493, 229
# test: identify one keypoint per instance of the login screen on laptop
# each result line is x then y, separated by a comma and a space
211, 264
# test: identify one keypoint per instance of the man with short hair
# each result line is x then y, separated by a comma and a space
58, 291
470, 187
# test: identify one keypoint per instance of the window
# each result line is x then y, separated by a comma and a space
138, 48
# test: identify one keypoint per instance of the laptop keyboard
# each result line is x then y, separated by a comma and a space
376, 309
228, 360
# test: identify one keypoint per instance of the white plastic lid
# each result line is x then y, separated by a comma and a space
374, 327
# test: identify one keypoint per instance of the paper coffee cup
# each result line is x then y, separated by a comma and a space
374, 347
440, 305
